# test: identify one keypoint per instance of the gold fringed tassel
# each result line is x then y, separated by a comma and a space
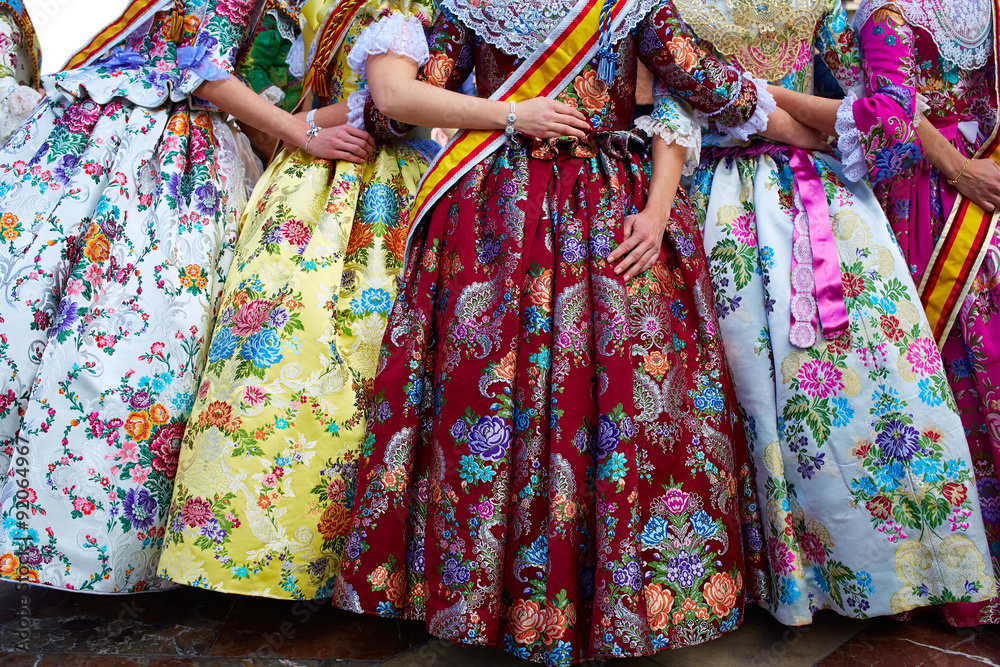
177, 22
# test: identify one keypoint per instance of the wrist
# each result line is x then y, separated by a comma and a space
952, 166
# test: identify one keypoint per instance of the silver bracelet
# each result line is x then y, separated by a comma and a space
511, 119
313, 128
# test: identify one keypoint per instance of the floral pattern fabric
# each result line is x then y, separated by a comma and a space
267, 469
264, 67
18, 70
902, 64
554, 464
118, 228
863, 472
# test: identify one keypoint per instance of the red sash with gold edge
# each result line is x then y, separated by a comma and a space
963, 245
331, 36
547, 72
134, 16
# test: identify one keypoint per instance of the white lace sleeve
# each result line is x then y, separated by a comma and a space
397, 33
758, 121
849, 140
673, 121
16, 104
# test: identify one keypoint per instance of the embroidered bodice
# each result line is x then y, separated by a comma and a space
961, 29
774, 39
466, 39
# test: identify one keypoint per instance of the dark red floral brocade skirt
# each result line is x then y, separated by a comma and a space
555, 464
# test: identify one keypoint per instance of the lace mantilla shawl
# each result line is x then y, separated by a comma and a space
518, 27
961, 29
764, 36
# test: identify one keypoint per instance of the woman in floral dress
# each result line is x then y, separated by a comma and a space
553, 463
118, 230
20, 58
263, 495
863, 471
935, 58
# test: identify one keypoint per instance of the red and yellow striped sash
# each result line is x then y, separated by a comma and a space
134, 15
963, 244
545, 73
331, 36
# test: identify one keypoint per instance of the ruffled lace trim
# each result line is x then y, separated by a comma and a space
919, 109
849, 141
518, 27
17, 102
758, 121
691, 141
356, 108
273, 94
397, 33
296, 58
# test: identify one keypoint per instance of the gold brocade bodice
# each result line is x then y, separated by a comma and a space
764, 36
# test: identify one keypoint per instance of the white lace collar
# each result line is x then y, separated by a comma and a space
961, 29
518, 27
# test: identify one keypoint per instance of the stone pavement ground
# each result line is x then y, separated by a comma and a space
195, 627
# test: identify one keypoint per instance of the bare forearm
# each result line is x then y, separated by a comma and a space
331, 115
668, 163
939, 151
234, 98
817, 112
397, 94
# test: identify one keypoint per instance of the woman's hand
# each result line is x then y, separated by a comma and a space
781, 127
342, 142
643, 239
546, 118
980, 182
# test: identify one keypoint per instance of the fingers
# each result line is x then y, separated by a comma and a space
643, 264
625, 246
635, 256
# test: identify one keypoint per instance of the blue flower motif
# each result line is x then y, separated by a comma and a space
954, 468
378, 205
263, 349
538, 553
223, 345
865, 582
888, 476
385, 609
559, 654
843, 413
703, 524
372, 300
960, 368
789, 592
821, 581
865, 485
655, 533
927, 393
930, 469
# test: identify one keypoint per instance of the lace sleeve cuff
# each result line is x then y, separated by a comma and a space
919, 108
356, 102
397, 33
672, 135
758, 121
849, 141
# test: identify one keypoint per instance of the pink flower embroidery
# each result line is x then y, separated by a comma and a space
820, 379
745, 229
924, 357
